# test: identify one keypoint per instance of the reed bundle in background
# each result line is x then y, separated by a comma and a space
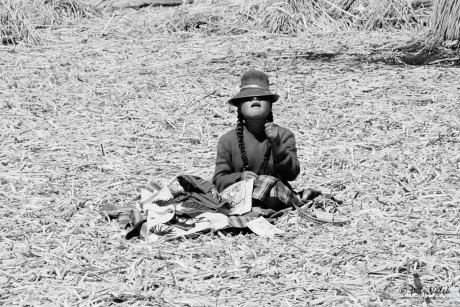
21, 19
15, 24
372, 14
401, 14
290, 16
70, 8
446, 20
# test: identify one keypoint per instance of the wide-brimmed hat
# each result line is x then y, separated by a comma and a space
254, 83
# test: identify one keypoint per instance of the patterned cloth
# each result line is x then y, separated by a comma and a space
203, 217
198, 192
266, 186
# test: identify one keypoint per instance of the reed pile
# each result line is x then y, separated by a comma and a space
292, 16
446, 20
113, 102
15, 24
21, 20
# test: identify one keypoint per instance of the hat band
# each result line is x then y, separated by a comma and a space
254, 86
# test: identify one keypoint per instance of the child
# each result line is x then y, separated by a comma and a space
256, 146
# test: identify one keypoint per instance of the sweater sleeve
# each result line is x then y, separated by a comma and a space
224, 174
285, 156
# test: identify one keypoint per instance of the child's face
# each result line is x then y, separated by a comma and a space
256, 108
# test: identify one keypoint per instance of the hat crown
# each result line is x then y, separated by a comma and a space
254, 83
255, 78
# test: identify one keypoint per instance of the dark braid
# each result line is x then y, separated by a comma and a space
269, 117
239, 134
268, 152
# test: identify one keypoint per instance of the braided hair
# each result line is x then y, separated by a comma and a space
244, 157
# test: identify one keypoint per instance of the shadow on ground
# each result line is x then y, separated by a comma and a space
402, 56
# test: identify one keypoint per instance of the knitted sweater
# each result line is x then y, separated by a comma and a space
283, 163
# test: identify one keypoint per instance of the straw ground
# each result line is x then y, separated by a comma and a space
115, 101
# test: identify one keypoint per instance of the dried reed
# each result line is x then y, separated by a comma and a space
395, 13
446, 20
15, 24
71, 8
89, 118
292, 16
22, 19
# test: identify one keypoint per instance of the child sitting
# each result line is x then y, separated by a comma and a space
256, 146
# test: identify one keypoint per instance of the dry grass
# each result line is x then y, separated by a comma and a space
15, 24
446, 20
401, 14
385, 138
292, 16
20, 20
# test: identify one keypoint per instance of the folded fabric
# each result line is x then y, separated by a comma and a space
192, 208
263, 186
194, 195
285, 195
217, 220
263, 228
201, 191
242, 221
189, 204
239, 197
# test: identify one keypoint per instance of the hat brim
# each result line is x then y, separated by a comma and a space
252, 92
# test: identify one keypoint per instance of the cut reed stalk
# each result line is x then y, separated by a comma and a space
446, 20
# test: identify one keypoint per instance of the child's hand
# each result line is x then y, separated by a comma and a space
248, 175
271, 130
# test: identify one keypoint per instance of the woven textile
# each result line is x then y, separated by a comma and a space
151, 225
266, 186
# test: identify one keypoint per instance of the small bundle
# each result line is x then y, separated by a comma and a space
322, 209
292, 16
394, 13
